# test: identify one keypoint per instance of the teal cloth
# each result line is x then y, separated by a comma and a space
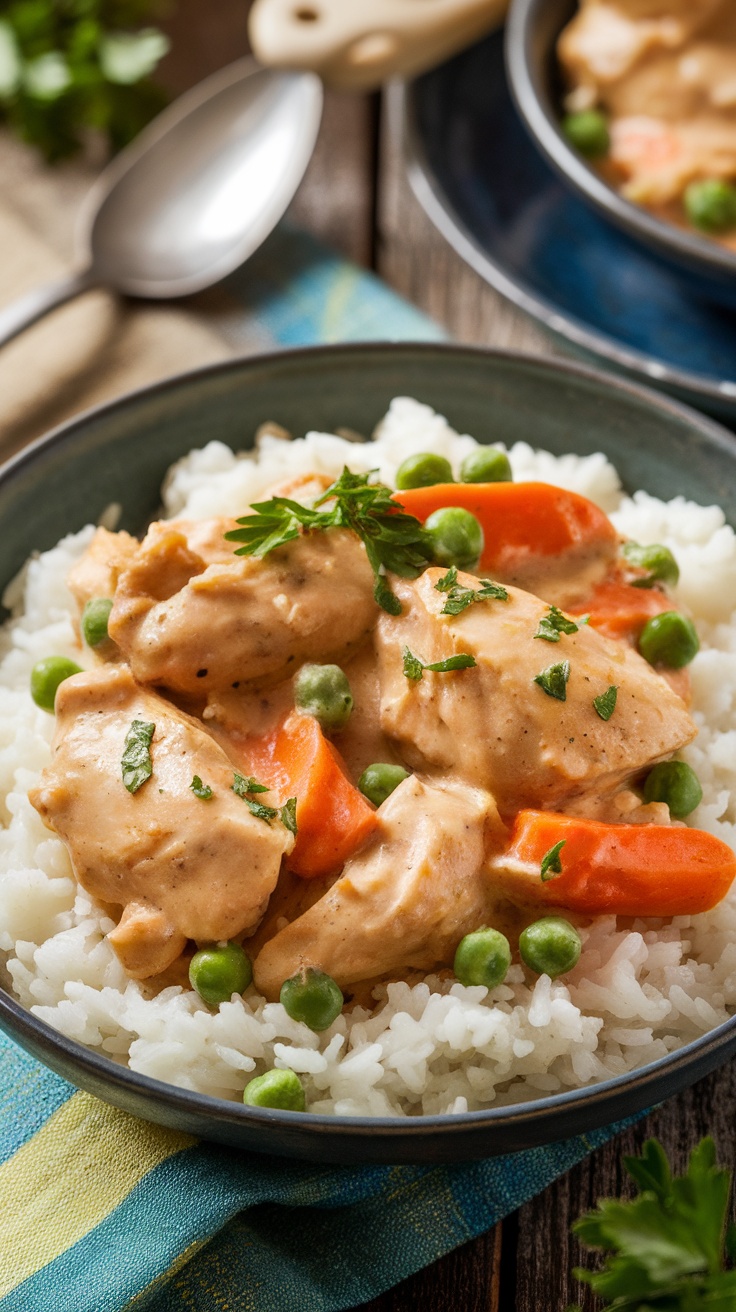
210, 1229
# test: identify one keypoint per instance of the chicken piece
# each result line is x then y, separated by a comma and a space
95, 574
181, 867
405, 901
194, 624
494, 726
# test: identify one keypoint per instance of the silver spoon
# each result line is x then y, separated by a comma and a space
195, 195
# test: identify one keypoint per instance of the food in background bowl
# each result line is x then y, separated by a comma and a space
457, 814
652, 100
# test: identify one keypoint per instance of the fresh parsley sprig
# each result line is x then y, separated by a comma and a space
666, 1249
393, 540
554, 624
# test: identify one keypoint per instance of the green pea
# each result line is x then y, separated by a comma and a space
378, 781
217, 972
588, 132
94, 621
313, 998
675, 783
669, 639
423, 470
324, 692
46, 676
486, 465
551, 946
455, 536
281, 1089
711, 205
657, 560
483, 957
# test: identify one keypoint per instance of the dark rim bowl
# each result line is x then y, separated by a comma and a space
531, 36
119, 452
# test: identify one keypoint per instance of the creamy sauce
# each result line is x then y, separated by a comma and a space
665, 73
207, 648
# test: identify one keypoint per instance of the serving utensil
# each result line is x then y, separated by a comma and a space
195, 195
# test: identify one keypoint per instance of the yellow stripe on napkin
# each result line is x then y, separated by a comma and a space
74, 1172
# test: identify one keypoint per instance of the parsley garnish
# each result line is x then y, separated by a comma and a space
393, 540
667, 1247
136, 761
288, 815
243, 787
605, 705
459, 598
554, 680
414, 667
554, 624
199, 789
551, 864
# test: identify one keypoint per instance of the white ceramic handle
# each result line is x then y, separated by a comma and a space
357, 44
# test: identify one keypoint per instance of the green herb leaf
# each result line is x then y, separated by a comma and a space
288, 815
551, 864
136, 762
199, 789
459, 598
243, 786
393, 540
554, 680
463, 661
413, 667
666, 1248
554, 624
605, 705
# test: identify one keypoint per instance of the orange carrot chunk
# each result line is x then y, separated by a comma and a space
627, 870
519, 520
619, 610
333, 818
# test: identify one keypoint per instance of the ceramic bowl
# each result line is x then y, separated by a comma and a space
121, 452
531, 38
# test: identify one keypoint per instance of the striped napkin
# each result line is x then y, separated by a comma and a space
100, 1212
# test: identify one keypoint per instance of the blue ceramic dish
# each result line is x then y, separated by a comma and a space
531, 39
120, 453
507, 213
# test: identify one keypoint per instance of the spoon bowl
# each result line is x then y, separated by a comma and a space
194, 196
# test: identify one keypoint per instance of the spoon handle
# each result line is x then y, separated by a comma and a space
20, 314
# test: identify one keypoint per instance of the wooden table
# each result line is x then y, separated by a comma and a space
355, 197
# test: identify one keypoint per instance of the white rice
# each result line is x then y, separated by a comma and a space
436, 1047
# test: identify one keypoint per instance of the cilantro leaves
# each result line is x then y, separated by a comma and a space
551, 863
246, 786
459, 598
554, 624
666, 1248
393, 540
554, 680
605, 705
414, 667
136, 762
200, 790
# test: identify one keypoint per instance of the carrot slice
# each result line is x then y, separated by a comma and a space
519, 520
629, 870
333, 818
620, 610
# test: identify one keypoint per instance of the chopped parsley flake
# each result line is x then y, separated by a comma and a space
551, 864
554, 680
243, 787
288, 815
459, 598
199, 789
414, 668
554, 624
136, 762
605, 705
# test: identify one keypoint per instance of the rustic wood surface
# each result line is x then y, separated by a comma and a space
356, 197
